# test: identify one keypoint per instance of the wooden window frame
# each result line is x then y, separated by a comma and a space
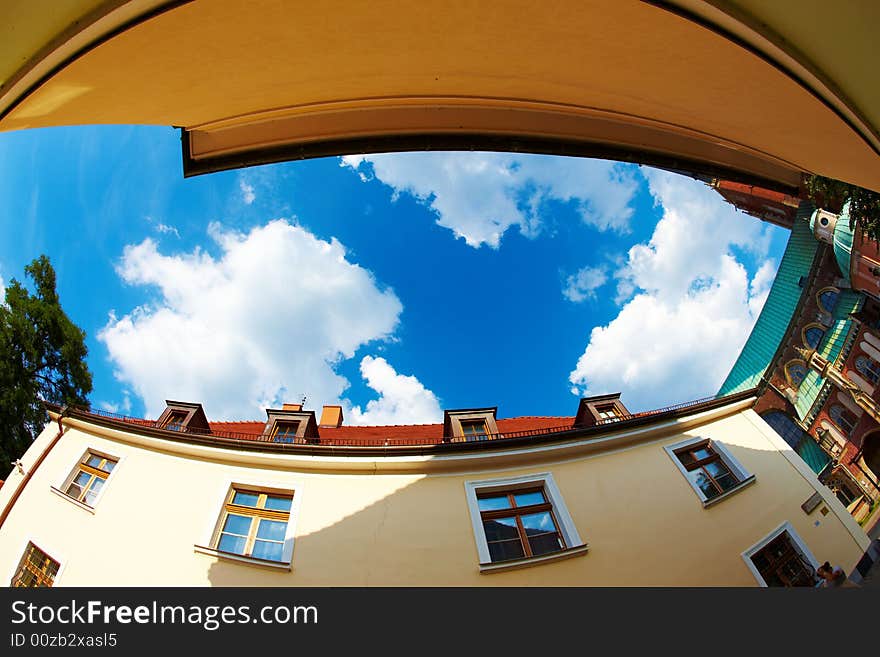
469, 437
254, 513
607, 412
796, 541
700, 464
553, 498
293, 438
41, 576
743, 477
516, 512
169, 421
93, 472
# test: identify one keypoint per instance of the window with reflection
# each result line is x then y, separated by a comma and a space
706, 469
35, 570
796, 372
176, 421
474, 429
519, 524
88, 478
869, 368
843, 418
254, 524
813, 336
828, 299
285, 432
608, 413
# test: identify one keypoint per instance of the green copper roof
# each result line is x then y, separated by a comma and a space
837, 338
843, 242
813, 455
772, 323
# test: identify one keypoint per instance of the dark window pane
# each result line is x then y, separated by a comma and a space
493, 503
500, 529
74, 491
526, 499
245, 499
703, 482
545, 543
504, 550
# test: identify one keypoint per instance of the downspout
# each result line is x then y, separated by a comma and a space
30, 473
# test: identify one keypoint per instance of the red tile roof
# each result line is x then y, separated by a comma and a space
395, 433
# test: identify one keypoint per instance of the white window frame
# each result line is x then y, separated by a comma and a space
744, 476
61, 489
51, 551
212, 529
573, 542
798, 542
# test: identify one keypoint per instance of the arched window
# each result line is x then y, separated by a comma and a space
843, 418
828, 299
795, 371
869, 368
813, 335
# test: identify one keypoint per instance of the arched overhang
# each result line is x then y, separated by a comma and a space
755, 91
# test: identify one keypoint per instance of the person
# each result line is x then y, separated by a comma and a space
830, 576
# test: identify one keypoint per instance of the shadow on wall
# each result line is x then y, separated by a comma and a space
642, 530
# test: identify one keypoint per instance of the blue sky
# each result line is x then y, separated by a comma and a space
396, 284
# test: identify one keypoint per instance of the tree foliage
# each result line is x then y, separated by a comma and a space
864, 205
42, 357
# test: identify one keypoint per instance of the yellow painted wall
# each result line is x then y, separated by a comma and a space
642, 520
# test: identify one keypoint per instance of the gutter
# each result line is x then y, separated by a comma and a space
30, 473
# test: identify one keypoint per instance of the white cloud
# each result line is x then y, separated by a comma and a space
2, 290
402, 399
583, 284
693, 305
264, 322
124, 406
479, 196
247, 191
166, 229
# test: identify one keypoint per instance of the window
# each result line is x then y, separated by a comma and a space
869, 368
828, 299
254, 524
175, 421
519, 524
520, 520
474, 430
782, 559
607, 413
36, 569
795, 372
813, 336
709, 468
843, 418
285, 432
88, 478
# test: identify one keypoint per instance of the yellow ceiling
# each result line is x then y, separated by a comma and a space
764, 89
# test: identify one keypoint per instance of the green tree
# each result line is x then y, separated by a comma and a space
864, 205
42, 357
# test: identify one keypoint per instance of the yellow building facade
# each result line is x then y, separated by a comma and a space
620, 506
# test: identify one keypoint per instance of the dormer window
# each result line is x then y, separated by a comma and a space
176, 421
470, 425
602, 409
285, 432
183, 416
291, 424
474, 429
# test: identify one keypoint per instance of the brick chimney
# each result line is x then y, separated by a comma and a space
331, 417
